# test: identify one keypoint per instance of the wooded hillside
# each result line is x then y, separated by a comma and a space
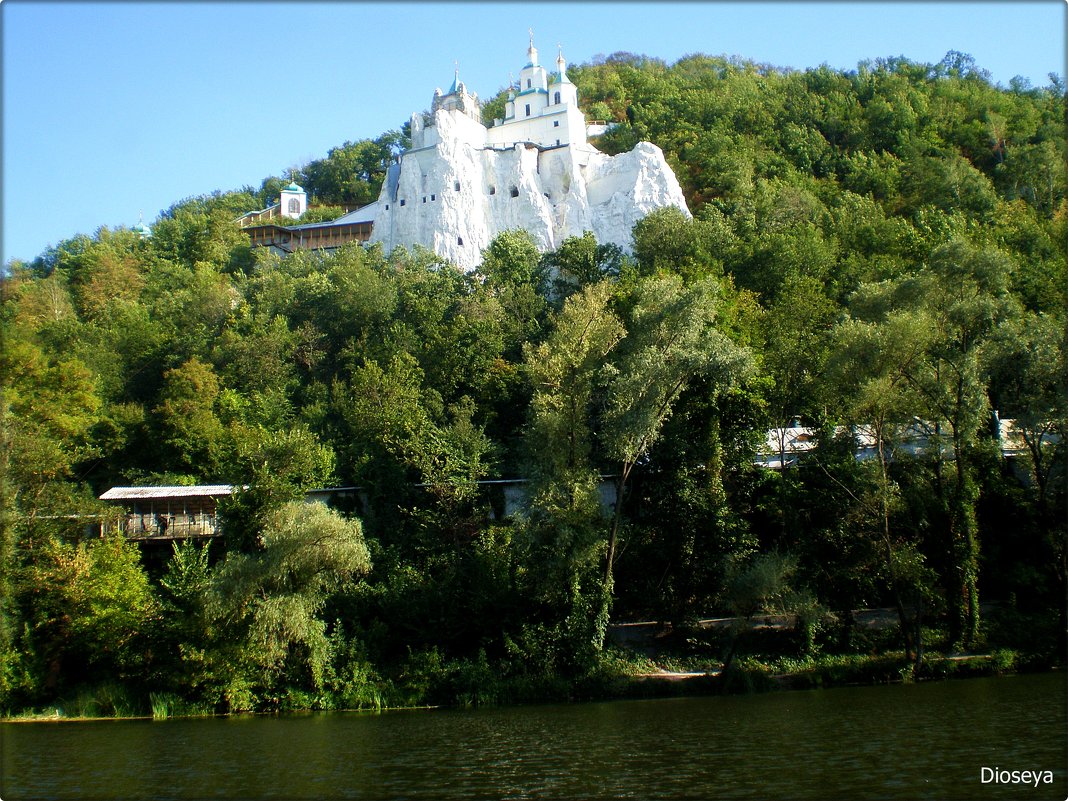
869, 248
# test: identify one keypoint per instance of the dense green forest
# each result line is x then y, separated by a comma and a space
872, 247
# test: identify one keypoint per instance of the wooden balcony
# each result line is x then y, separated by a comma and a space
167, 513
169, 527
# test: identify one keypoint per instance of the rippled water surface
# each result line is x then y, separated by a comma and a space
911, 741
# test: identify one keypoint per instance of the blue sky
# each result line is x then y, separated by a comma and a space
113, 109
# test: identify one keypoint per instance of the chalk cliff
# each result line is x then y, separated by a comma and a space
461, 184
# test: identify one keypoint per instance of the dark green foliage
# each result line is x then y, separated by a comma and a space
91, 615
580, 261
353, 172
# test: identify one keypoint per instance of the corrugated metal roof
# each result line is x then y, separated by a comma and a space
362, 214
144, 493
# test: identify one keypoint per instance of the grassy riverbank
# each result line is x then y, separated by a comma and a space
772, 654
112, 701
640, 660
622, 674
752, 674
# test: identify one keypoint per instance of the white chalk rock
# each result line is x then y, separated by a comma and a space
455, 194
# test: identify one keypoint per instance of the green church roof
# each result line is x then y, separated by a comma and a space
142, 229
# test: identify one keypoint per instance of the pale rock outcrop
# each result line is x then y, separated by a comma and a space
461, 184
457, 196
622, 189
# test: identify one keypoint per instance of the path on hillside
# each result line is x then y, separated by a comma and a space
643, 637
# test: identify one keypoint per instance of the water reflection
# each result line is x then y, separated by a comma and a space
923, 741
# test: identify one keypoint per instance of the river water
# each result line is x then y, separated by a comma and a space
928, 740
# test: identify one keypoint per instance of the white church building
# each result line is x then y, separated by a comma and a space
462, 183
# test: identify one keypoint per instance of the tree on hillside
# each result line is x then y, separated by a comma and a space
564, 531
667, 241
351, 173
1028, 366
868, 372
188, 419
203, 229
91, 611
276, 467
796, 336
264, 607
960, 298
580, 261
400, 437
671, 341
